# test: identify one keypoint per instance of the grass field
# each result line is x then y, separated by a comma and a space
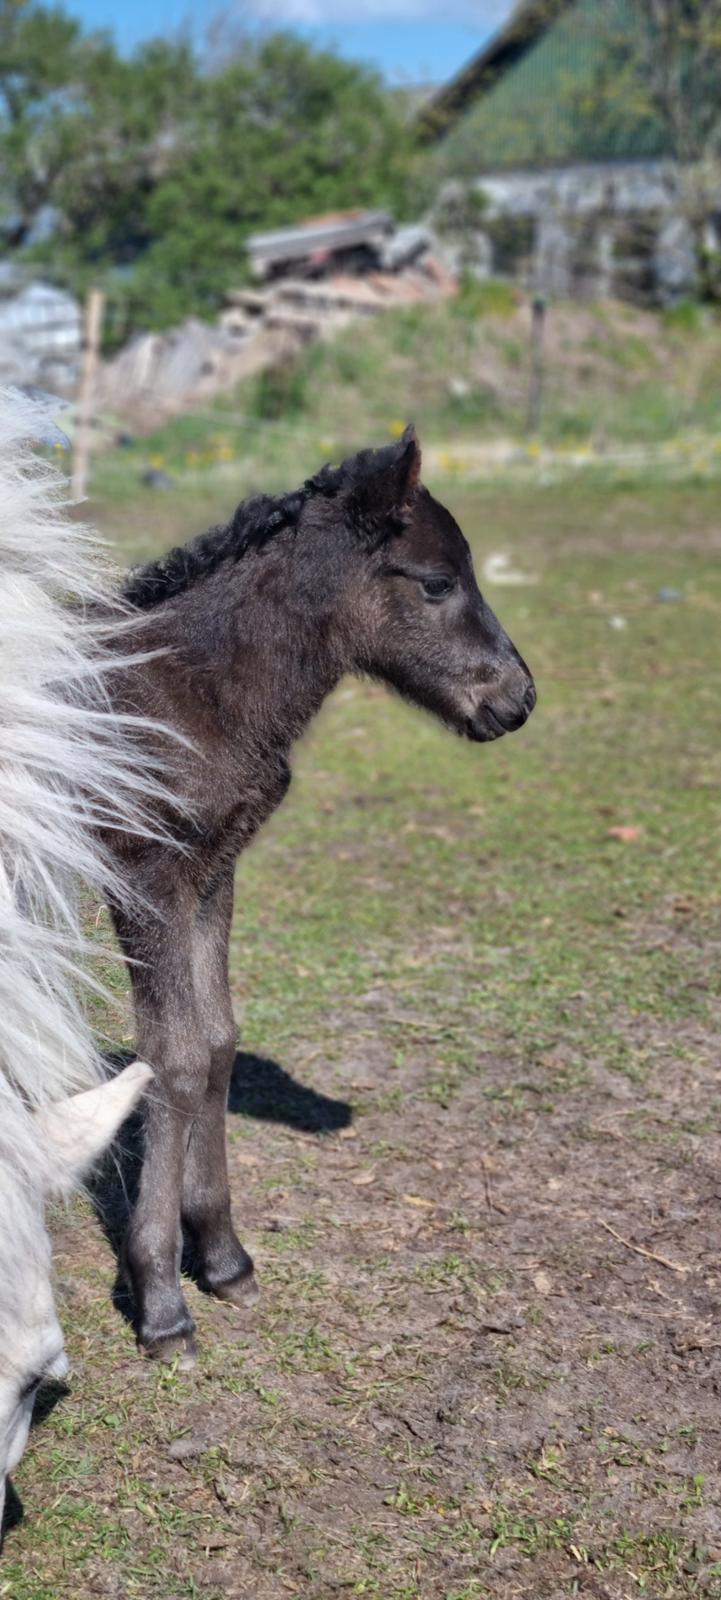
614, 377
474, 1133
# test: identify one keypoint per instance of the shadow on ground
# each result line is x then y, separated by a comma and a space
48, 1397
13, 1513
259, 1088
263, 1089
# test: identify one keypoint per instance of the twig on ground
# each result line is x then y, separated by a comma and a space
490, 1202
674, 1266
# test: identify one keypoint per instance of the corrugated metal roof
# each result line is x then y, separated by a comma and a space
564, 94
528, 22
321, 234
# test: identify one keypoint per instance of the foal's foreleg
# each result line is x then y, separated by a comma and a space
224, 1267
171, 1040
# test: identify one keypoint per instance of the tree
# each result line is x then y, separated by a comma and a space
154, 168
281, 132
678, 70
83, 131
137, 125
41, 56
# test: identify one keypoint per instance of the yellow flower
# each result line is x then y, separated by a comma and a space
397, 428
450, 463
157, 461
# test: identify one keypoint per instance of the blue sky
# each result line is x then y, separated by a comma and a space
405, 38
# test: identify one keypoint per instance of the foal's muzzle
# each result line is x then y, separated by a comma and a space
510, 707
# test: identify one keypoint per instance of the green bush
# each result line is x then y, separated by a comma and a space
687, 316
486, 297
157, 169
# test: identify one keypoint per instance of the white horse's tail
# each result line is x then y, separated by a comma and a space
68, 767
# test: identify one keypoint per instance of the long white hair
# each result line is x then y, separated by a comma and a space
68, 768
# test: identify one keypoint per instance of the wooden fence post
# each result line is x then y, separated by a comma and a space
94, 308
536, 384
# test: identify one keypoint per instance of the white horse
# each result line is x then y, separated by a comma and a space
66, 769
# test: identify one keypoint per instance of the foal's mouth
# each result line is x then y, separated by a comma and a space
484, 730
489, 723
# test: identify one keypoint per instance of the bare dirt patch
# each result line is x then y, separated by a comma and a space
487, 1355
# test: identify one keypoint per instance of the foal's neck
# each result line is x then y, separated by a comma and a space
259, 648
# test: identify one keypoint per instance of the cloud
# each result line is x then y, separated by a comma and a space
480, 14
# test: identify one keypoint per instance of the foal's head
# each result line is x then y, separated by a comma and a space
416, 617
38, 1155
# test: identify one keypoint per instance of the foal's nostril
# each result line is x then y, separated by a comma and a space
509, 719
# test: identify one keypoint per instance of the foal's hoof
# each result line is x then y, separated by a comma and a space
179, 1348
242, 1291
169, 1338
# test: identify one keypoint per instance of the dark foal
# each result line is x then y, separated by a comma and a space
360, 571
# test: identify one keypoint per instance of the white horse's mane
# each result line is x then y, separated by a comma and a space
65, 768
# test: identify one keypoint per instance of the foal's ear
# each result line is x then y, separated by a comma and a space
385, 479
77, 1130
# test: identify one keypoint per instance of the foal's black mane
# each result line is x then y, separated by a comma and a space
253, 523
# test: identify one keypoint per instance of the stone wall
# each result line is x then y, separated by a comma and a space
40, 334
592, 231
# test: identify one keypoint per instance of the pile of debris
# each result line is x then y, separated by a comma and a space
316, 278
341, 241
158, 375
318, 308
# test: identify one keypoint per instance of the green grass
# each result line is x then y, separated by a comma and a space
512, 845
451, 939
614, 378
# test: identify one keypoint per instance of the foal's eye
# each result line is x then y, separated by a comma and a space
436, 588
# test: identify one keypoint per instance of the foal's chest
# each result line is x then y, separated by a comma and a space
253, 801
